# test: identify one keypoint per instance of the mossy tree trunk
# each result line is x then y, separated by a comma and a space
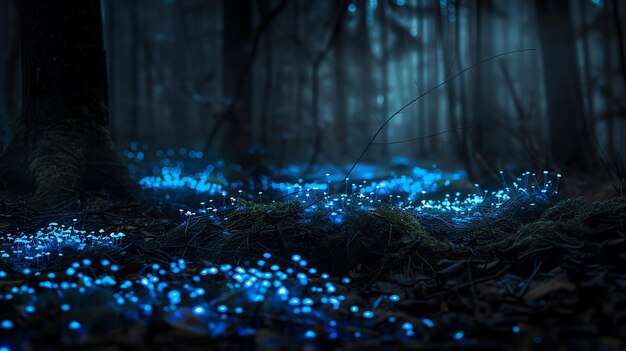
62, 145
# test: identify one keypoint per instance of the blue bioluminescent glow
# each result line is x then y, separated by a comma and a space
429, 193
222, 295
52, 243
214, 293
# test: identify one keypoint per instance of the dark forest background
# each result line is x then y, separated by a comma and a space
309, 82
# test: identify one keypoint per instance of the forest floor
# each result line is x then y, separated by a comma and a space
403, 258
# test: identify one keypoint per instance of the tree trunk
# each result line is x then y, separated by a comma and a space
62, 145
366, 72
477, 140
267, 89
315, 86
418, 69
237, 84
570, 139
422, 84
465, 138
587, 58
135, 71
608, 90
384, 76
300, 81
12, 73
617, 21
341, 99
444, 42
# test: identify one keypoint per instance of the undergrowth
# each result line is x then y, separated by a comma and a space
389, 239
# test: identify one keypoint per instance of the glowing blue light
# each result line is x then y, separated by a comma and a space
65, 307
222, 308
516, 329
427, 322
394, 298
309, 334
354, 309
147, 309
174, 297
296, 258
211, 270
407, 326
459, 335
368, 314
198, 310
6, 324
74, 325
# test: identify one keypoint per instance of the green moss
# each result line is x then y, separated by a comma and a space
62, 160
367, 239
564, 229
388, 239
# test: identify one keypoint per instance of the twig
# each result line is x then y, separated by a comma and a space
424, 136
380, 129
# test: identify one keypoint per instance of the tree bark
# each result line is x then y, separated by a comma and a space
366, 72
465, 138
442, 40
570, 140
617, 21
315, 86
341, 98
62, 145
12, 73
135, 71
477, 117
267, 89
237, 84
384, 75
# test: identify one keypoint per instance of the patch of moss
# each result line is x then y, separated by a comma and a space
365, 240
565, 229
385, 239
